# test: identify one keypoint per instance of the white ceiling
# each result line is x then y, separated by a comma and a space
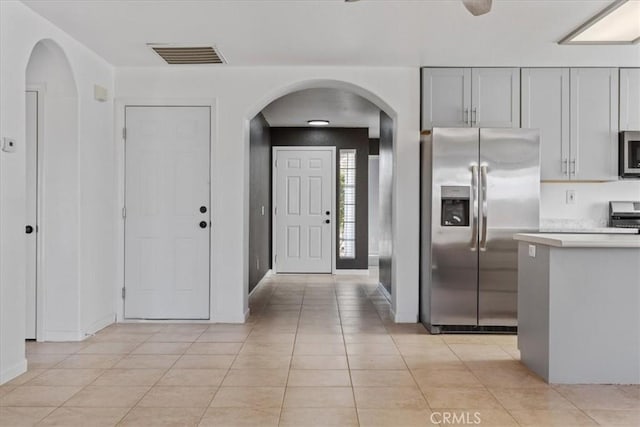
341, 108
332, 32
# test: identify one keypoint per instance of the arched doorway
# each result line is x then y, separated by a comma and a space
51, 186
350, 97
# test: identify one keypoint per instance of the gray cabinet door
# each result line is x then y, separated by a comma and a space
495, 95
446, 97
594, 124
629, 98
545, 106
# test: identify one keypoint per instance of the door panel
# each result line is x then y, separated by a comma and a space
454, 258
545, 106
495, 97
304, 191
167, 251
446, 97
510, 173
629, 98
594, 123
31, 148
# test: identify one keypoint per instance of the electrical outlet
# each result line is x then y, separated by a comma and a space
532, 251
571, 197
262, 210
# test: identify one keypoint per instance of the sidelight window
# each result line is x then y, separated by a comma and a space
347, 204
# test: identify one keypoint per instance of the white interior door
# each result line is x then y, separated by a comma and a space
31, 153
303, 205
167, 237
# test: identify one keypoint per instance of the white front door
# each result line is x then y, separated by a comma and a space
167, 160
303, 206
31, 153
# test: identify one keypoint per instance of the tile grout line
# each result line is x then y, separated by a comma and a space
346, 355
157, 381
293, 349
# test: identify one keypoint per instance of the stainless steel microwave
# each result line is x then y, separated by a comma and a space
630, 154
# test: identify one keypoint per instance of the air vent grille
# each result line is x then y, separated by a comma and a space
189, 55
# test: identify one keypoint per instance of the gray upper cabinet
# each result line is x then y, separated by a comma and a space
463, 97
576, 111
495, 97
630, 99
545, 106
594, 124
446, 97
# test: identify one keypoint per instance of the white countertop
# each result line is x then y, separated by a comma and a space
593, 230
581, 240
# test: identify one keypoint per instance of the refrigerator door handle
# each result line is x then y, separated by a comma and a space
474, 207
483, 201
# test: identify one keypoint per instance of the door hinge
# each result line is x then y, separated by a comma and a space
124, 292
124, 133
124, 212
276, 162
275, 260
275, 210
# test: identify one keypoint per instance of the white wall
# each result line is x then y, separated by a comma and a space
85, 300
241, 93
591, 208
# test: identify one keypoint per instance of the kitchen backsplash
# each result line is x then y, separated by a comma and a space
591, 206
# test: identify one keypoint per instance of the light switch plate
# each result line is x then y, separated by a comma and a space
571, 197
532, 251
9, 145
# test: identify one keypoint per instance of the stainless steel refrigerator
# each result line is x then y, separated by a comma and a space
479, 188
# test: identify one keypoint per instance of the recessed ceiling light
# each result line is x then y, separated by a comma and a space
316, 122
619, 23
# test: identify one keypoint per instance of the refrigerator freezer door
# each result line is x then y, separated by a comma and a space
454, 255
509, 204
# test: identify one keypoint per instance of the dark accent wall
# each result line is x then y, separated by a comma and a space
259, 197
374, 146
341, 138
386, 200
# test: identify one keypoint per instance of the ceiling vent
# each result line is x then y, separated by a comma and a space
175, 55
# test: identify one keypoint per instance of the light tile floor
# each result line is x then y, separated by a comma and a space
317, 350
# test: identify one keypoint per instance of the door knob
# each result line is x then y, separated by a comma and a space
327, 213
327, 221
203, 224
203, 209
28, 229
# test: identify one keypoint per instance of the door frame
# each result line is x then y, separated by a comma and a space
274, 187
120, 120
40, 89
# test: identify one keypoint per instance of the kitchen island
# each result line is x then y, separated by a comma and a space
579, 307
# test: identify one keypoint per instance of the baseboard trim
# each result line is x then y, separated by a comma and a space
384, 292
62, 336
14, 371
99, 325
405, 317
352, 272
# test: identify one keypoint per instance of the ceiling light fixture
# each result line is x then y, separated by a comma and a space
477, 7
316, 122
619, 23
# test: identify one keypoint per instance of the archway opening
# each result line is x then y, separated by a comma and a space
51, 191
361, 128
